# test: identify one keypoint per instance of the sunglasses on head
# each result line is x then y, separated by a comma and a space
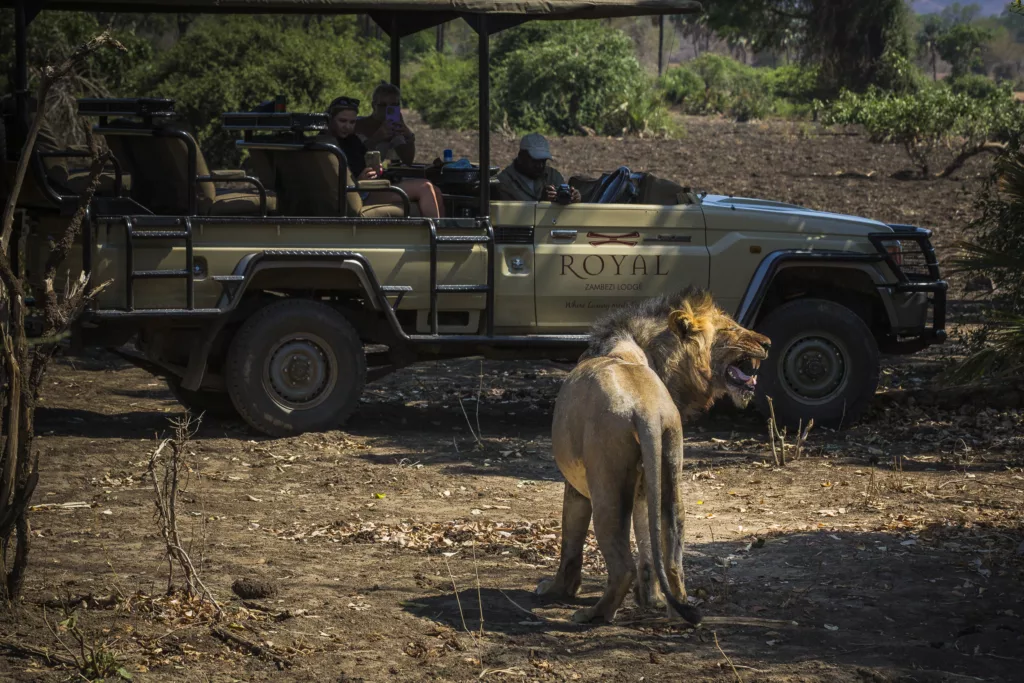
343, 103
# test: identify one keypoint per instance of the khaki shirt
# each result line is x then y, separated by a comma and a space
515, 186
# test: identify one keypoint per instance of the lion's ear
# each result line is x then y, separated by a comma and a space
681, 323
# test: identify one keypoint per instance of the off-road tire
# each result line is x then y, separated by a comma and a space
251, 364
211, 403
798, 330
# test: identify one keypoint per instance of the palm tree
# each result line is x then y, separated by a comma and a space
1000, 254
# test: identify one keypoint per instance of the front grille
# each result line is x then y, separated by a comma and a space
513, 235
909, 252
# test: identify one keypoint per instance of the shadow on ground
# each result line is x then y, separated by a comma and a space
945, 602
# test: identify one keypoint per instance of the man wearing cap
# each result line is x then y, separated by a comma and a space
529, 178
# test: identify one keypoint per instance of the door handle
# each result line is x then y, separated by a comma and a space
563, 234
672, 238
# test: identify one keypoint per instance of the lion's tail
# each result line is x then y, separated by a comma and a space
657, 446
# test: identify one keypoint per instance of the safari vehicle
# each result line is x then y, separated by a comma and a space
268, 297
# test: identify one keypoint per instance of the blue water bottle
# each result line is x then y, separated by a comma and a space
448, 156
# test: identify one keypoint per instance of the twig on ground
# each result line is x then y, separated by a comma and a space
479, 596
165, 489
479, 395
734, 671
253, 648
22, 650
801, 437
458, 602
775, 436
469, 424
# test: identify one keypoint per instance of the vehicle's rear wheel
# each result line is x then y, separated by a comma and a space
823, 364
295, 366
212, 403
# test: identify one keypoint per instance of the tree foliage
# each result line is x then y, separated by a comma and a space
961, 46
577, 77
234, 62
553, 77
844, 38
935, 119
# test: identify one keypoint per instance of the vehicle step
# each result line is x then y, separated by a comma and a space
464, 289
464, 239
158, 274
228, 278
159, 234
394, 289
155, 313
558, 339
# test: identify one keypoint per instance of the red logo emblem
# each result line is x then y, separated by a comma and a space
629, 239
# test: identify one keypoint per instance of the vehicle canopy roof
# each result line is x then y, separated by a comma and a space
408, 16
396, 17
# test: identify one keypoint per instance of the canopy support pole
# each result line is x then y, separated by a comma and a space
661, 43
396, 52
21, 63
484, 75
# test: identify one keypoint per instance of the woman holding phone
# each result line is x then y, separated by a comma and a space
341, 124
384, 129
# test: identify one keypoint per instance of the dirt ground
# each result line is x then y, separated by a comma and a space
404, 548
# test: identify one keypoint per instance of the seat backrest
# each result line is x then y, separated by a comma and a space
262, 165
308, 184
160, 172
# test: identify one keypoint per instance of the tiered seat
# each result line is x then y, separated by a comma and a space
308, 185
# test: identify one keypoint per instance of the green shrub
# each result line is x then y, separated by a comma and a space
552, 77
713, 84
793, 82
974, 86
898, 74
752, 96
642, 109
444, 91
244, 60
997, 251
936, 118
576, 77
682, 86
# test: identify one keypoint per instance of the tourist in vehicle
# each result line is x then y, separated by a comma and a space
341, 124
389, 135
529, 178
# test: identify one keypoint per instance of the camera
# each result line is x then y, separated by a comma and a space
563, 194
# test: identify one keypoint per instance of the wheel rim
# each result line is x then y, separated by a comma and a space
814, 369
301, 371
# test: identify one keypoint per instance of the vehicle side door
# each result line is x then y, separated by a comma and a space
590, 258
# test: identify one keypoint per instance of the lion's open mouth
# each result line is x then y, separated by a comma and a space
742, 374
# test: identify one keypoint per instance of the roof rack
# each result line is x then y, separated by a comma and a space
277, 122
125, 106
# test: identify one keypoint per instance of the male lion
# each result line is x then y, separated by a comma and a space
617, 437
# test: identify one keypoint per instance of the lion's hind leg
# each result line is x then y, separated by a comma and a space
576, 513
647, 590
613, 507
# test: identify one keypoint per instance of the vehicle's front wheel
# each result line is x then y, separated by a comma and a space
295, 366
823, 364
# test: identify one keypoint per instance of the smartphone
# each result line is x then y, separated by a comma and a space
393, 114
372, 159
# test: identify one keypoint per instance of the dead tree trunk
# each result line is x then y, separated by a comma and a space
25, 364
